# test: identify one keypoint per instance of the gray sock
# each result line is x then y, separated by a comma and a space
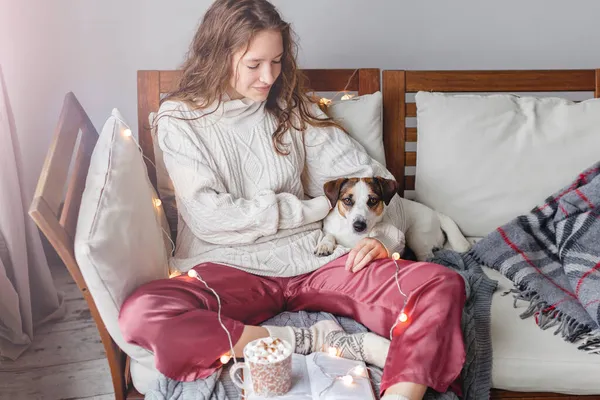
305, 340
367, 347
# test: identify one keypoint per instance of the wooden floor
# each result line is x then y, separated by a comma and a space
66, 359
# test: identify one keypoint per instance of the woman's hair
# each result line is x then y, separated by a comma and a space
227, 27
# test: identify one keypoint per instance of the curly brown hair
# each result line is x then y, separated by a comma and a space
227, 27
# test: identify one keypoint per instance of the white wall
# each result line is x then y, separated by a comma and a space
94, 48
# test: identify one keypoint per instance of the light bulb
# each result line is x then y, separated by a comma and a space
403, 317
157, 202
359, 370
347, 379
347, 96
192, 273
396, 256
127, 132
225, 359
332, 351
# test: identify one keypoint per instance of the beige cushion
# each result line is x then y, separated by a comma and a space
119, 240
529, 359
361, 116
142, 376
484, 159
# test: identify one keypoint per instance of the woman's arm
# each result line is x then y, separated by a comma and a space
209, 210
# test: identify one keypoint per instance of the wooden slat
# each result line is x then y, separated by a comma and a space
133, 394
55, 170
497, 394
411, 159
369, 81
597, 91
501, 81
168, 80
411, 109
48, 223
394, 124
332, 80
148, 101
411, 134
76, 185
409, 182
364, 80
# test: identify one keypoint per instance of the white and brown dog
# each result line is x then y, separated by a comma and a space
359, 205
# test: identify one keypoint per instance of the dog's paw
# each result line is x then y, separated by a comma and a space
325, 247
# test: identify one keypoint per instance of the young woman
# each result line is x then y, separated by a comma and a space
248, 154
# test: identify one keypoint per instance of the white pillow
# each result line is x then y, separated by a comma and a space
485, 159
361, 116
119, 239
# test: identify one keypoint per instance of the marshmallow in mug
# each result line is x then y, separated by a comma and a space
267, 350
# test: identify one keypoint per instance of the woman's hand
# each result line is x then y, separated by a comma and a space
365, 251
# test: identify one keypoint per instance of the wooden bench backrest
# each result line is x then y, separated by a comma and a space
398, 83
153, 84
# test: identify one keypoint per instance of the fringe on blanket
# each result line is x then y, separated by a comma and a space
547, 317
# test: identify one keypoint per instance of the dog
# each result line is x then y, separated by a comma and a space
359, 204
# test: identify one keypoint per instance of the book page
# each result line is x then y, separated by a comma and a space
320, 365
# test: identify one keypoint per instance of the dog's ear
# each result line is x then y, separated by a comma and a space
332, 190
389, 187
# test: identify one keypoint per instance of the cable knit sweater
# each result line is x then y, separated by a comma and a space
242, 204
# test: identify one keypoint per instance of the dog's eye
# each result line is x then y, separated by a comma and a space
372, 202
347, 201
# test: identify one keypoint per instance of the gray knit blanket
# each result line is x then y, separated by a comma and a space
552, 254
476, 373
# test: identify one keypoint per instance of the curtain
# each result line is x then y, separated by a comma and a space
28, 296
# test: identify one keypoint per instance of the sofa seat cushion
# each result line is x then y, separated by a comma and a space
529, 359
143, 376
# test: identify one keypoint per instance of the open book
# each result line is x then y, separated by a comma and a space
311, 382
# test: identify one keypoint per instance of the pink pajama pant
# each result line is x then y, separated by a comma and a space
176, 319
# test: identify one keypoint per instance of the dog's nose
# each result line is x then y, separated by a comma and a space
359, 226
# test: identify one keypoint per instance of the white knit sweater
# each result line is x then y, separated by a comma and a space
241, 204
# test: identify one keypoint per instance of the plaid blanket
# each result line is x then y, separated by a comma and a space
552, 255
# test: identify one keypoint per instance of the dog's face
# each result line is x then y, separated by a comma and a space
360, 201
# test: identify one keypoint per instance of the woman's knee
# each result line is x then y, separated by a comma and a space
451, 282
446, 279
139, 309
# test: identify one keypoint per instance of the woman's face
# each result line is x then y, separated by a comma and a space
256, 68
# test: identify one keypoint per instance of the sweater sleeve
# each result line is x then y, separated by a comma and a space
333, 154
205, 205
